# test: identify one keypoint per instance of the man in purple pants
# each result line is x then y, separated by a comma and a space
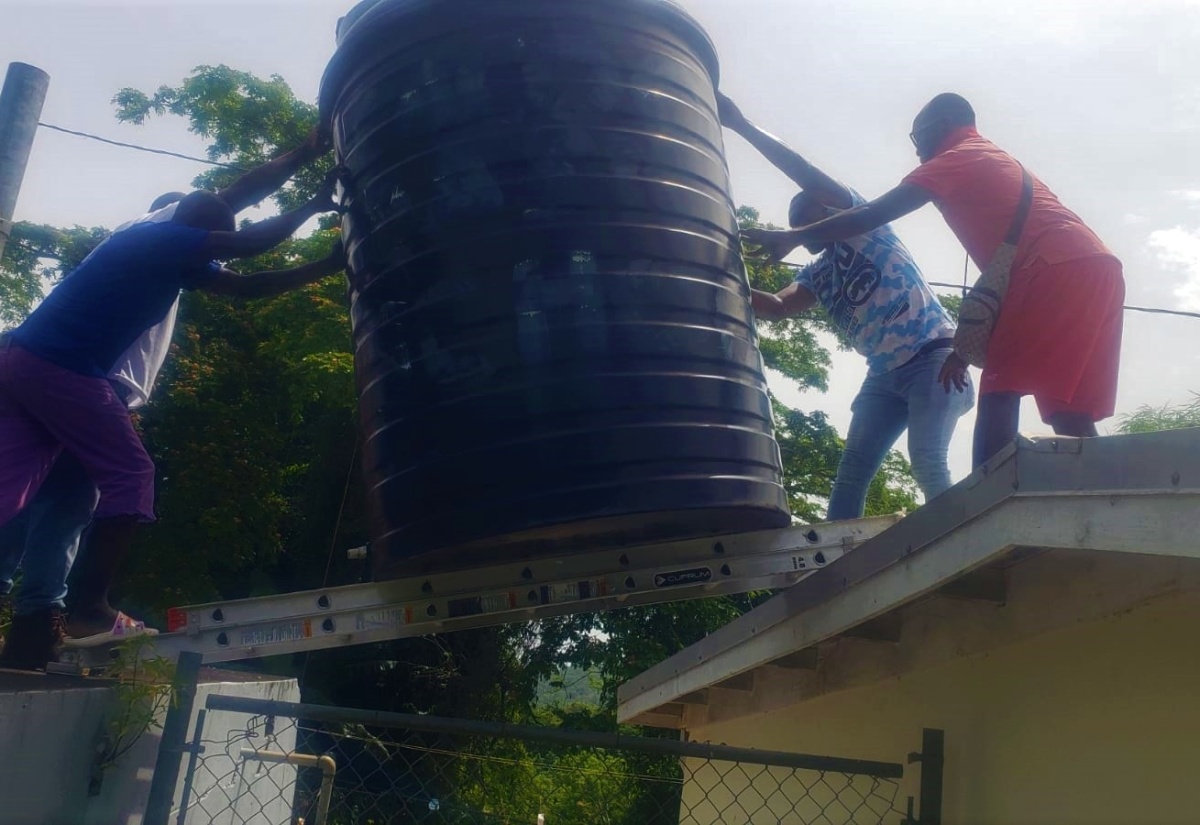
55, 392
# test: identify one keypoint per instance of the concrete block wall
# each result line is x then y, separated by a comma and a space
49, 729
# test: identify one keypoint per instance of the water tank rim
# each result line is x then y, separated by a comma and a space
366, 23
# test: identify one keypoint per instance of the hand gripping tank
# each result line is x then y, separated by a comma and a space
554, 345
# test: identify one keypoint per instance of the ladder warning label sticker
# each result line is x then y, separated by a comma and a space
679, 578
277, 634
382, 619
494, 603
573, 591
498, 602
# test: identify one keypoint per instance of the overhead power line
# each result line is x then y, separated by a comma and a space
141, 148
964, 288
1157, 311
1152, 310
134, 146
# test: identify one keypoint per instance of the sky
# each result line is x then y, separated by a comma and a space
1100, 99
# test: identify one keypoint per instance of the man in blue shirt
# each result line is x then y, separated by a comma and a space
54, 389
52, 525
875, 294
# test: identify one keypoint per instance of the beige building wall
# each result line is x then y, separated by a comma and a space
1094, 723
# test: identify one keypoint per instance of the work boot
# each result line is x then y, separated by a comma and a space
34, 639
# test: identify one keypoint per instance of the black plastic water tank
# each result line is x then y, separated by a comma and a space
554, 344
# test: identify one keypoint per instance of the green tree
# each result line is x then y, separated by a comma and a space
1148, 419
247, 120
37, 255
952, 303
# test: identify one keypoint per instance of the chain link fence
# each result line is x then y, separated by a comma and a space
277, 763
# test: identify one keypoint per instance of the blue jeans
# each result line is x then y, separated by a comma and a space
43, 538
909, 397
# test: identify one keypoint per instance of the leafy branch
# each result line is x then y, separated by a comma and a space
143, 692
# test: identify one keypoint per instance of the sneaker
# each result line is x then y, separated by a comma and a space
34, 640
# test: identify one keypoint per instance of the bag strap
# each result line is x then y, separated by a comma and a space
1018, 222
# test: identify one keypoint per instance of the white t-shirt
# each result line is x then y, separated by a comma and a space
137, 369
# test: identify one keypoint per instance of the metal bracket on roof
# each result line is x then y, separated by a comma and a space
1055, 444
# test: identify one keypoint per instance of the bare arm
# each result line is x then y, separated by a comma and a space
786, 160
792, 300
777, 244
262, 181
267, 284
264, 235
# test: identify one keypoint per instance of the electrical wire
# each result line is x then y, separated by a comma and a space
963, 286
964, 289
1153, 310
141, 148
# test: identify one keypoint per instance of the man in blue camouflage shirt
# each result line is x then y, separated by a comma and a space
875, 294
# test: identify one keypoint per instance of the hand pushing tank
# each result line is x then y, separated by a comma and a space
554, 343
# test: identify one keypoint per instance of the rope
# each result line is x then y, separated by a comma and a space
337, 526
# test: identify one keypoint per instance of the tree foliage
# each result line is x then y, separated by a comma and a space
247, 120
37, 255
1148, 419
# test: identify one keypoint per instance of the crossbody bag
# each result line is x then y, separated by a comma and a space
981, 305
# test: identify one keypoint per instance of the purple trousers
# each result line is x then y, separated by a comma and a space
45, 409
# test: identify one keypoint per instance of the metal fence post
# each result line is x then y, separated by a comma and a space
174, 740
194, 753
933, 762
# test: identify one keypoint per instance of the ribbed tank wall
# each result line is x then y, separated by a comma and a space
554, 343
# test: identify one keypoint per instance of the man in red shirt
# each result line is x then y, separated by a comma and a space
1058, 335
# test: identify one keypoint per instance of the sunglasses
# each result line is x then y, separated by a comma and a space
915, 134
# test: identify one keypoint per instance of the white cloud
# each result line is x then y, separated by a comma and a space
1187, 195
1179, 249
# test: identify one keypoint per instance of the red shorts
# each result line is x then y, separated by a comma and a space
1058, 337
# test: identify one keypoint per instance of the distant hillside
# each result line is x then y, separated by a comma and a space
572, 686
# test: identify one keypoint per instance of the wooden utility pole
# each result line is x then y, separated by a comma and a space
21, 102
